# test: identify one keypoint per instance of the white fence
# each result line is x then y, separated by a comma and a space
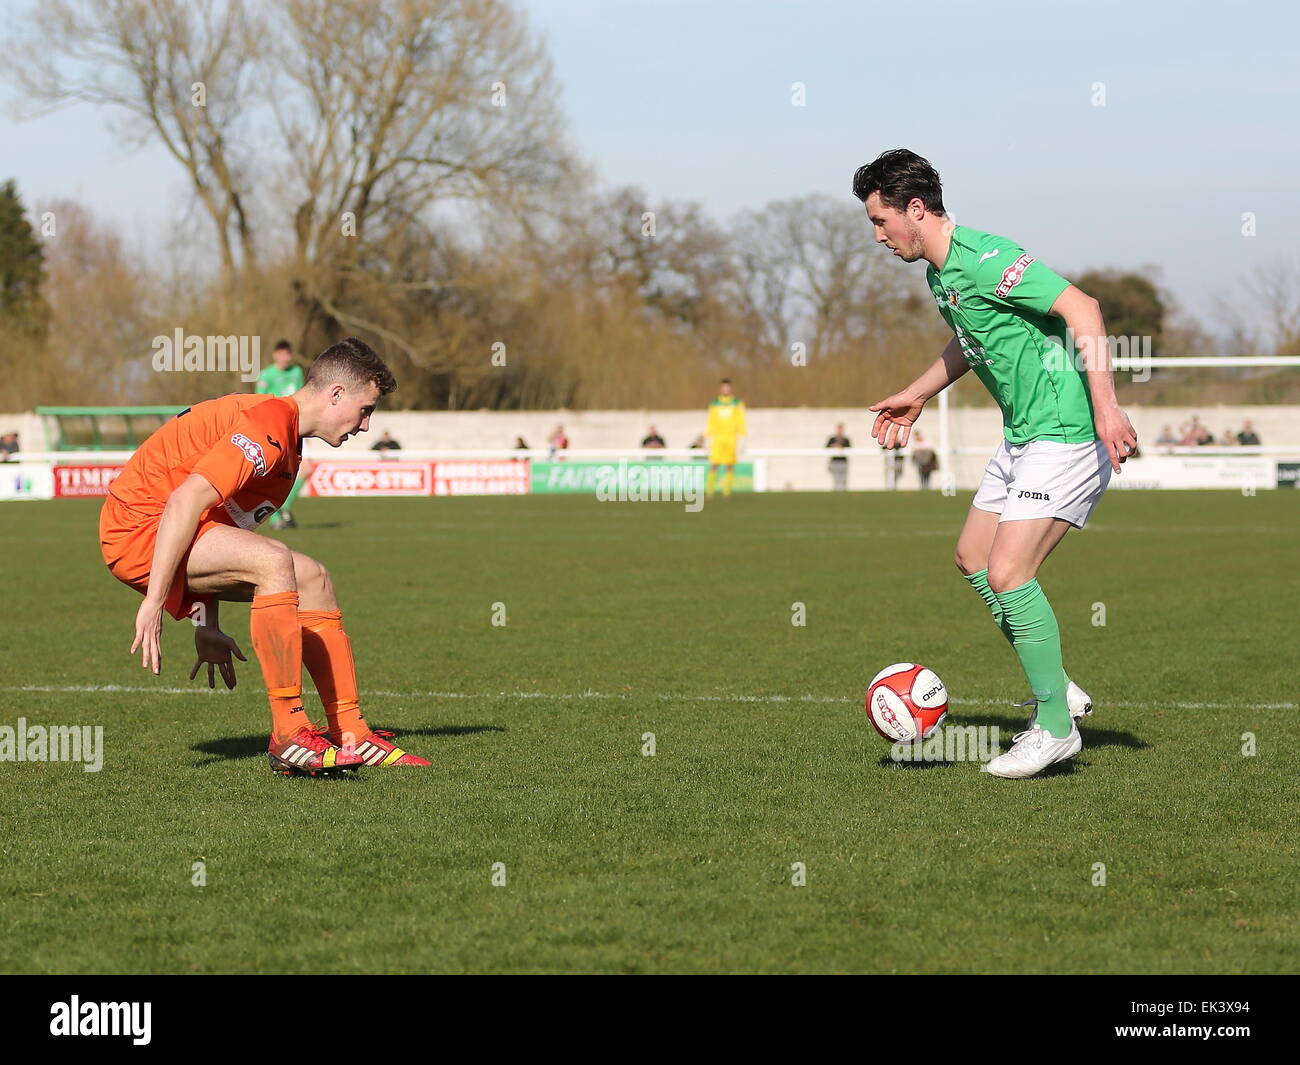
784, 441
45, 475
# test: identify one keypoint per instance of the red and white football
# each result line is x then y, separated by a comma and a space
906, 702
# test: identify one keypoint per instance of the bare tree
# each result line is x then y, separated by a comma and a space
178, 72
398, 169
388, 110
809, 272
671, 257
1263, 318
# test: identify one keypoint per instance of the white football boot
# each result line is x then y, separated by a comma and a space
1034, 750
1078, 701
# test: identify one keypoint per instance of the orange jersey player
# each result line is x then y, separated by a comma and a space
179, 527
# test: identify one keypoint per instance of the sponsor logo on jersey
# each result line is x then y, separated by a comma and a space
954, 297
1013, 275
249, 519
971, 348
1043, 496
252, 451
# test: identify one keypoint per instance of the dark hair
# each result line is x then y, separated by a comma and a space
725, 381
283, 345
353, 362
900, 176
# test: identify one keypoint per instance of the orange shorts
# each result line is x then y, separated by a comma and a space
126, 539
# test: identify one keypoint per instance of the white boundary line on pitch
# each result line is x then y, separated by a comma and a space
616, 696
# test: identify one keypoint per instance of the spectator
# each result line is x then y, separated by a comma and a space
839, 464
925, 458
697, 445
558, 442
1248, 437
1167, 436
1190, 433
1228, 439
9, 447
655, 441
385, 443
520, 445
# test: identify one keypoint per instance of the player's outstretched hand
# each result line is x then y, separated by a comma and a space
1117, 433
894, 419
215, 648
148, 635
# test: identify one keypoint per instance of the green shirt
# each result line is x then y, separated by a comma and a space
996, 299
276, 382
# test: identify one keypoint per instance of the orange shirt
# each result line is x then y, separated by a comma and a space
246, 446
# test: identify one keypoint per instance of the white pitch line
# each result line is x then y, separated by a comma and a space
622, 696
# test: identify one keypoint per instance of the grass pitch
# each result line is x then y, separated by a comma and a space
623, 620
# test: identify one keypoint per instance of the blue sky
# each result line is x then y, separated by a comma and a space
692, 100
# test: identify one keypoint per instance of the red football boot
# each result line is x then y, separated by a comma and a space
378, 750
310, 752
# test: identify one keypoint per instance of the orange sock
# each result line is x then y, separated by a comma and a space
277, 642
327, 654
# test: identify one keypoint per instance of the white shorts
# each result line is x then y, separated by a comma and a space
1044, 479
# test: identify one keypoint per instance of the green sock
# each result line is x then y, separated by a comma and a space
1028, 617
293, 492
980, 582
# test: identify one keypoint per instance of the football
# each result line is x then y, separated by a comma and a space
906, 702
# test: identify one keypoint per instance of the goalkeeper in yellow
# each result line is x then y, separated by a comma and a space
726, 427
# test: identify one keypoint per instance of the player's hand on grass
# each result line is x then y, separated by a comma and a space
215, 648
895, 418
148, 635
1117, 433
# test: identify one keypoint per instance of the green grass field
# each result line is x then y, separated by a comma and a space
629, 619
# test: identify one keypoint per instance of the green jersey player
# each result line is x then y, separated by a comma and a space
283, 377
1013, 320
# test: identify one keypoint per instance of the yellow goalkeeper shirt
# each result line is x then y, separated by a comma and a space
726, 419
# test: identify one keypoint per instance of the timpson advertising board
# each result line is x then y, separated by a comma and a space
71, 482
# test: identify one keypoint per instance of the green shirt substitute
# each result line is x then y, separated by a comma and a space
996, 299
276, 382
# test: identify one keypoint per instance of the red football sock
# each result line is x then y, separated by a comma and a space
277, 642
327, 654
